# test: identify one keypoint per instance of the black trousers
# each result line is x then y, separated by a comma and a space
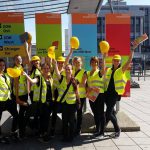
79, 115
97, 108
110, 101
41, 112
54, 115
54, 106
22, 111
68, 120
11, 107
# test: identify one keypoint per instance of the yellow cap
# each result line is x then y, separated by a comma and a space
104, 46
118, 57
61, 58
14, 73
51, 52
35, 58
74, 42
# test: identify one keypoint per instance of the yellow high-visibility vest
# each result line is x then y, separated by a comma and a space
95, 81
70, 96
22, 88
42, 90
5, 88
79, 76
35, 73
119, 80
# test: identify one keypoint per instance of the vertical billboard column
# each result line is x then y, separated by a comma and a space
84, 26
48, 33
11, 29
118, 36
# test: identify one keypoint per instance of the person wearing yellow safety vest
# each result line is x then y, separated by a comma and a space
79, 74
57, 107
95, 80
68, 100
42, 100
6, 102
20, 92
35, 72
115, 82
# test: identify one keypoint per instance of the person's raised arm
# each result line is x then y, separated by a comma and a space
103, 64
56, 69
68, 57
127, 64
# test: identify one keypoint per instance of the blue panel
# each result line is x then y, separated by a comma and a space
87, 35
10, 40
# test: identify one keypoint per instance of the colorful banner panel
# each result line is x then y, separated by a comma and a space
118, 36
48, 33
84, 26
11, 30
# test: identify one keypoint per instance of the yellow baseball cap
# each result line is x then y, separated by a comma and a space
35, 58
117, 57
61, 58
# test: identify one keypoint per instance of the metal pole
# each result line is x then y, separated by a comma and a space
144, 68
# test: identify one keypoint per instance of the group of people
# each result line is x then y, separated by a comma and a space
57, 86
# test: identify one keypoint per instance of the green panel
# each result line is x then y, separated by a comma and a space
45, 35
12, 28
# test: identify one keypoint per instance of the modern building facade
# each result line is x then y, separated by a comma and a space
140, 23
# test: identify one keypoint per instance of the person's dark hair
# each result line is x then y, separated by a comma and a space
33, 69
2, 60
45, 64
94, 58
15, 58
68, 65
112, 68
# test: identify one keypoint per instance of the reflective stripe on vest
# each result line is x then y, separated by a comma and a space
70, 96
55, 79
35, 73
22, 88
42, 90
119, 80
5, 89
95, 81
79, 76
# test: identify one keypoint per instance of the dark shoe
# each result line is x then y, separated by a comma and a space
4, 140
116, 134
77, 133
46, 138
52, 133
98, 135
64, 140
15, 136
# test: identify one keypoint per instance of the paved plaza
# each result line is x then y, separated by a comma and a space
137, 107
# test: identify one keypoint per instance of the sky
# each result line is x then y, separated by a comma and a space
30, 23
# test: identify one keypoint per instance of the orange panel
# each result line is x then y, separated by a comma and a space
117, 19
48, 18
11, 17
84, 18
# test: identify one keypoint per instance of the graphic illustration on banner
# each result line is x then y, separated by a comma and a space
118, 37
48, 33
11, 28
84, 26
